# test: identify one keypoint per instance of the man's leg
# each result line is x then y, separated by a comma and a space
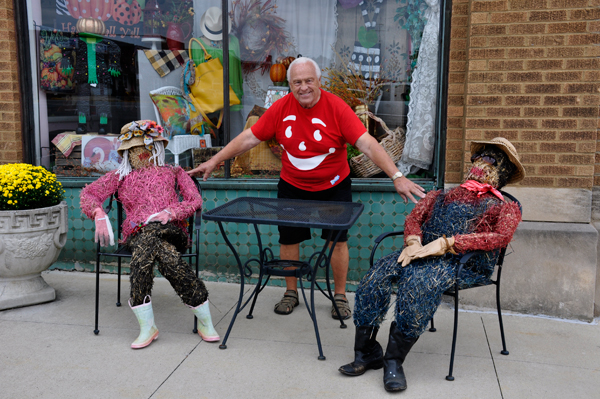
290, 252
339, 266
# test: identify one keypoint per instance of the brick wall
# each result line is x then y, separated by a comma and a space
11, 146
527, 70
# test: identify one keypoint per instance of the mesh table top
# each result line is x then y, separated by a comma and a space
287, 212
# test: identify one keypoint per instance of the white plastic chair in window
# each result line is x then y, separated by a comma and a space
181, 143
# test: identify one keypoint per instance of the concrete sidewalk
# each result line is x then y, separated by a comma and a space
50, 351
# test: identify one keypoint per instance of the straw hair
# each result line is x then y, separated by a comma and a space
509, 149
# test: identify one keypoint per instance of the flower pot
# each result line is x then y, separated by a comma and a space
30, 242
176, 35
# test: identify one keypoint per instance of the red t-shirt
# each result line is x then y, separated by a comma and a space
313, 139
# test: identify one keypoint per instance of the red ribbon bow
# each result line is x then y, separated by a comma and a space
481, 188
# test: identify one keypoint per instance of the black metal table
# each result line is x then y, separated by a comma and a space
335, 216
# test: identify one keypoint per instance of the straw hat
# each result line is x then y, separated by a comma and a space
133, 134
211, 23
509, 149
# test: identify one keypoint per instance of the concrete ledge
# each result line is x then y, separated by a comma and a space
570, 205
550, 270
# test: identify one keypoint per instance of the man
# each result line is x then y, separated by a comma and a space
442, 227
154, 229
313, 127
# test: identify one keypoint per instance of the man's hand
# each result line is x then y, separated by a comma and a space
413, 244
437, 247
103, 234
204, 169
408, 190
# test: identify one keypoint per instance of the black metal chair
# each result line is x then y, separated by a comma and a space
454, 291
194, 224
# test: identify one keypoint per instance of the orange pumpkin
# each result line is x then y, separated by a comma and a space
287, 61
97, 9
50, 74
277, 74
126, 14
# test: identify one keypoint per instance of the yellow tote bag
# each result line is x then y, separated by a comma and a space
207, 89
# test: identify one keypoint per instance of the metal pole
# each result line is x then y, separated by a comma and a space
226, 128
442, 105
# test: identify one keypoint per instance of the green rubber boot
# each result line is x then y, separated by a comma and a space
148, 330
205, 325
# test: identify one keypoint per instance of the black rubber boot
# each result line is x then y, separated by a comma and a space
368, 354
397, 349
81, 128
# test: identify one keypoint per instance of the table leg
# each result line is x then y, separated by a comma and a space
327, 264
239, 303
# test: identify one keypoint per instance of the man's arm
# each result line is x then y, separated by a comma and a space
242, 143
371, 148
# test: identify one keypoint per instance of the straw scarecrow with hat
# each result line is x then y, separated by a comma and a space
442, 226
155, 227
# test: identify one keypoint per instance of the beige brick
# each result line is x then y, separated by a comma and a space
546, 40
543, 88
563, 76
509, 41
565, 52
504, 111
538, 158
547, 16
557, 147
537, 135
504, 88
524, 76
486, 54
495, 65
570, 27
479, 17
544, 64
482, 123
526, 29
526, 4
559, 123
525, 123
522, 100
583, 39
476, 88
455, 111
587, 170
585, 14
583, 64
475, 111
484, 100
561, 100
490, 77
525, 53
488, 30
477, 65
541, 112
508, 17
477, 41
494, 5
567, 3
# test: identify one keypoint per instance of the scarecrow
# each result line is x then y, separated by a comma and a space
442, 226
155, 226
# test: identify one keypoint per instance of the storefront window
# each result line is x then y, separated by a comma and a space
100, 64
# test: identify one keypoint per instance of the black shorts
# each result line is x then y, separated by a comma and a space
295, 235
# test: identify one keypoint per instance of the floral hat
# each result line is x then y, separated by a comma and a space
144, 132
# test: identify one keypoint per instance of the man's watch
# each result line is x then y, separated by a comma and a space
397, 175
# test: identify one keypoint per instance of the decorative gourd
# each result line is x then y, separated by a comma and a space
277, 74
50, 74
287, 61
125, 13
97, 9
91, 25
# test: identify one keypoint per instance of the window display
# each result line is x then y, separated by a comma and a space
101, 63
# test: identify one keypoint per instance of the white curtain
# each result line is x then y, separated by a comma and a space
420, 128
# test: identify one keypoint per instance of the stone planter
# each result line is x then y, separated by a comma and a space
30, 241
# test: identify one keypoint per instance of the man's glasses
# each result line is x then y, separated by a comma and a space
485, 158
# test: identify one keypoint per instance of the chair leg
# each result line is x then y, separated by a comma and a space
118, 282
96, 331
503, 351
449, 377
432, 328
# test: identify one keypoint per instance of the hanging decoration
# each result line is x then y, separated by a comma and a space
260, 32
366, 58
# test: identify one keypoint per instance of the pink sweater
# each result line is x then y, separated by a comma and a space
144, 192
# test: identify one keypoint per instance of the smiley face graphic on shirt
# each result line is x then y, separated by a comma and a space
299, 162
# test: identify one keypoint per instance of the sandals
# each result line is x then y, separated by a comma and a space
287, 303
342, 304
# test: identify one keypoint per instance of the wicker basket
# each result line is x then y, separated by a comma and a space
392, 143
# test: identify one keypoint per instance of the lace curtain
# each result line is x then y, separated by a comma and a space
420, 128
